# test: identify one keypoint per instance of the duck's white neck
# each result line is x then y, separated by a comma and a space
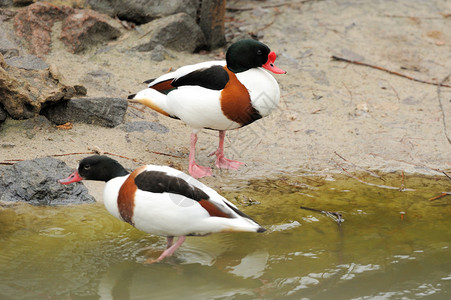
263, 89
110, 194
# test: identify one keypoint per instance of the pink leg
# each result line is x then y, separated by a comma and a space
169, 251
221, 161
194, 169
169, 241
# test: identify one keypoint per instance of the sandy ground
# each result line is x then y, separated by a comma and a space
373, 119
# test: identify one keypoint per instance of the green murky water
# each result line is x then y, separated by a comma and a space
84, 253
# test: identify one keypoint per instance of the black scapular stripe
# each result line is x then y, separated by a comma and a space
149, 80
214, 78
160, 182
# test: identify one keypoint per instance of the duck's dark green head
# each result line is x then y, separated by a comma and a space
96, 167
247, 54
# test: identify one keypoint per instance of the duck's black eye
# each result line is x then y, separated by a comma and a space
259, 52
86, 167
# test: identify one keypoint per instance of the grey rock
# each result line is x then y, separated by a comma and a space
33, 125
208, 14
27, 62
159, 53
142, 126
144, 11
8, 47
178, 32
80, 90
103, 6
36, 182
85, 28
6, 3
102, 111
36, 122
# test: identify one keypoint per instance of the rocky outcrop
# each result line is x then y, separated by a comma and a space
80, 28
144, 11
85, 28
208, 15
178, 32
25, 89
36, 182
34, 24
107, 112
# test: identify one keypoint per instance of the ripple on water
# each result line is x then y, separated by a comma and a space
353, 269
283, 227
55, 232
195, 250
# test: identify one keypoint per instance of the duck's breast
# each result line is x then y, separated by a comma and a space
110, 195
263, 89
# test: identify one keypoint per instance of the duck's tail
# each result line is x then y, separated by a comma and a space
238, 225
153, 99
240, 222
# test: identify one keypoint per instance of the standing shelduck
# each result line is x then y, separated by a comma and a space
163, 201
218, 95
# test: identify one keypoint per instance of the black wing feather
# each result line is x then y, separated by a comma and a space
160, 182
214, 78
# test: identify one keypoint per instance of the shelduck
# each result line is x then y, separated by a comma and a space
162, 201
218, 95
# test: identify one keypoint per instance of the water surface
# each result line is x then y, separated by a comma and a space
392, 244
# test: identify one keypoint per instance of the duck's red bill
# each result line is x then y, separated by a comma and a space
270, 66
74, 177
